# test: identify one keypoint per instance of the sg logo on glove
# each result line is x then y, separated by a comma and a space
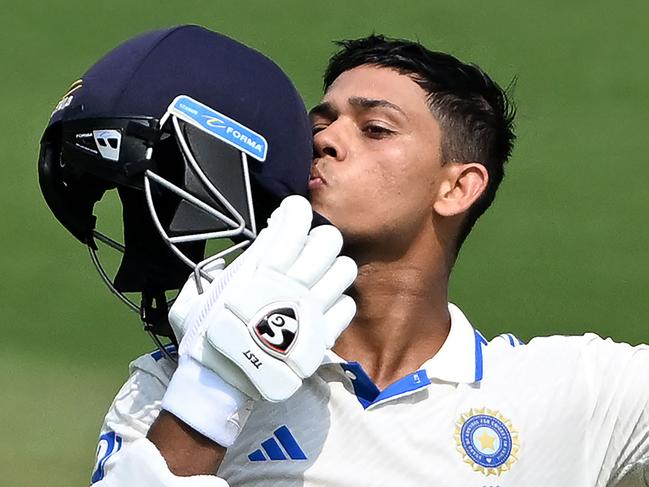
277, 328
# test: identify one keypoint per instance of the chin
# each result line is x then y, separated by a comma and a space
337, 214
326, 215
319, 207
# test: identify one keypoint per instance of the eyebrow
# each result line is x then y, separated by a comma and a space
327, 110
324, 109
370, 103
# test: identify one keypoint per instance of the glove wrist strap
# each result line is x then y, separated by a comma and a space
203, 400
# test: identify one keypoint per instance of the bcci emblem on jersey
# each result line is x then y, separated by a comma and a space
487, 441
276, 329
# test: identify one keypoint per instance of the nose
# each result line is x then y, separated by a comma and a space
329, 142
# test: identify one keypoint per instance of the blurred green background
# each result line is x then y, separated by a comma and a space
563, 250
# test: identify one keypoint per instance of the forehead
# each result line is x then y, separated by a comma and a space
377, 83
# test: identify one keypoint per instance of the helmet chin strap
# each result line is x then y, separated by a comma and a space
154, 311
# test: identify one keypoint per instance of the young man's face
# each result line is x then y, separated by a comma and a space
377, 159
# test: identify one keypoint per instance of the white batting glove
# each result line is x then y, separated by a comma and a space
277, 321
263, 325
189, 296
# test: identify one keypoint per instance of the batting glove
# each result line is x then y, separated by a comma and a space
263, 325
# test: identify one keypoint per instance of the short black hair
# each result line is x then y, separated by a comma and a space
475, 114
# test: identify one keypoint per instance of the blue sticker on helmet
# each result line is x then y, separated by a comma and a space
220, 126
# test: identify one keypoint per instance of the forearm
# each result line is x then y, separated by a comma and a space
186, 451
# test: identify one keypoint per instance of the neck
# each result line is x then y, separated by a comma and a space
402, 316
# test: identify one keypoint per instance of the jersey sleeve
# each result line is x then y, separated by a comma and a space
618, 410
125, 457
133, 410
142, 465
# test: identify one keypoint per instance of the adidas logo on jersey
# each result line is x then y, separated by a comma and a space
281, 446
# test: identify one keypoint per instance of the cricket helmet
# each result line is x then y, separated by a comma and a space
200, 136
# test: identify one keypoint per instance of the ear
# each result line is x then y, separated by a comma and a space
463, 185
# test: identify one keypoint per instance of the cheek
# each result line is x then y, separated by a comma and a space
403, 207
407, 185
385, 198
376, 192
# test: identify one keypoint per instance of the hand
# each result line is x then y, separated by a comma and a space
190, 295
265, 322
277, 309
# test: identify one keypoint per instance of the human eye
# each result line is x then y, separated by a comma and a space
377, 130
318, 124
318, 127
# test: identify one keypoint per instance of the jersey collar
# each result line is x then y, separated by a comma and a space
460, 358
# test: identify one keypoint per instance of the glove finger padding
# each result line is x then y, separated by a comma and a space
337, 318
322, 246
289, 227
333, 283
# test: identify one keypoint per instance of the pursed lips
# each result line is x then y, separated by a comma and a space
317, 179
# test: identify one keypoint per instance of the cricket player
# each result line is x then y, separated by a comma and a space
272, 387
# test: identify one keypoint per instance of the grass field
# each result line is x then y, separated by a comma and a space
564, 249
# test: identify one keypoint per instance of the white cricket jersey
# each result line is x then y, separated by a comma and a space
559, 411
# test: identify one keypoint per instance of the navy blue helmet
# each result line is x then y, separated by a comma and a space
201, 137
